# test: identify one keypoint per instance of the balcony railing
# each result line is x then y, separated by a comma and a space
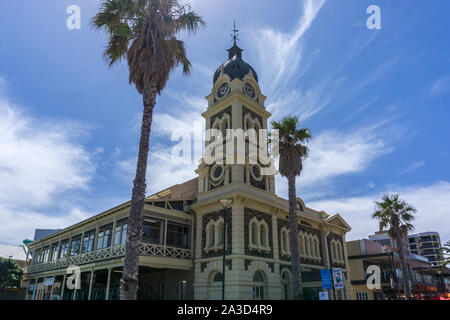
145, 249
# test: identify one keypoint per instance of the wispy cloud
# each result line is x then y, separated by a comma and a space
415, 165
431, 201
440, 86
40, 161
335, 154
280, 54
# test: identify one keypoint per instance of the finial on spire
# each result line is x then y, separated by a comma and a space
235, 34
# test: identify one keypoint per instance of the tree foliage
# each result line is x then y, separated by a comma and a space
10, 273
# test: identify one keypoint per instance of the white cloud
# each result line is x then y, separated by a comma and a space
415, 165
162, 172
431, 201
334, 154
39, 162
280, 55
440, 86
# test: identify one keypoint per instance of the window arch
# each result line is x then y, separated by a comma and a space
258, 285
214, 235
254, 233
336, 250
264, 234
259, 234
286, 281
285, 245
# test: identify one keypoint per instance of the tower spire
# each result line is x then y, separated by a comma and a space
235, 34
235, 50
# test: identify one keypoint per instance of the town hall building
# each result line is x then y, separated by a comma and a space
181, 254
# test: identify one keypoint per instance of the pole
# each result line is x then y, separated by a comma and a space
223, 252
331, 268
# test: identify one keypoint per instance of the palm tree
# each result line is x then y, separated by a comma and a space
292, 154
144, 32
397, 215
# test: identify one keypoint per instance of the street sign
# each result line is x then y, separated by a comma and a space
49, 281
323, 295
325, 275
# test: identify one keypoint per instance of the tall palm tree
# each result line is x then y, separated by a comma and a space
144, 32
292, 154
397, 215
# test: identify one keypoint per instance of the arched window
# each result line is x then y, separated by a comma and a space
210, 236
317, 248
339, 251
302, 244
258, 285
307, 247
255, 233
264, 235
285, 248
219, 232
218, 277
287, 288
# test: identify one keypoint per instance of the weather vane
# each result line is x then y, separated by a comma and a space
235, 34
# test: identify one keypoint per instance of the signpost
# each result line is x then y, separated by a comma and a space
325, 275
323, 295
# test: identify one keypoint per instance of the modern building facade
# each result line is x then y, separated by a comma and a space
181, 253
426, 280
426, 244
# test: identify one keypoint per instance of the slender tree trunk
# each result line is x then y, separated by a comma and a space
295, 251
405, 272
129, 281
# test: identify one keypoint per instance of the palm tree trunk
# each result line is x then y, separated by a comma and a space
295, 251
405, 272
129, 281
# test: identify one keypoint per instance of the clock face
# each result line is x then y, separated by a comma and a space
223, 90
249, 90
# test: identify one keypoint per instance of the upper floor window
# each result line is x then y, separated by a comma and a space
75, 245
259, 234
104, 237
53, 252
285, 245
214, 234
64, 248
88, 241
120, 236
336, 251
309, 245
177, 235
44, 255
153, 231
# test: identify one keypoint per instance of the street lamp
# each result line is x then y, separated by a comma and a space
327, 234
226, 204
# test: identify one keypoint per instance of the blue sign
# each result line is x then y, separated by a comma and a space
325, 275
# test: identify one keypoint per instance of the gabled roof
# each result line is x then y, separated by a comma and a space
337, 220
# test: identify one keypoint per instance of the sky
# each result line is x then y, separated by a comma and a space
376, 102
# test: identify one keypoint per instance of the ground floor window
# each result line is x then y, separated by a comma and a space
362, 296
182, 286
258, 286
287, 289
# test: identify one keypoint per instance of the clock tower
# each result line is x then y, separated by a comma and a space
236, 105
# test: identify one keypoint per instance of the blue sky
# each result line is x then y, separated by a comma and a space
376, 102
